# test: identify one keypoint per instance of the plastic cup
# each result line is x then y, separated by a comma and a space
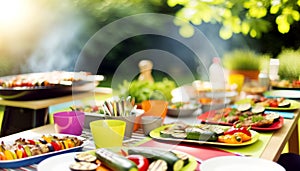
237, 79
108, 133
151, 122
69, 122
129, 123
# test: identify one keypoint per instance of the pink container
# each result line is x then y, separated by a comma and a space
69, 122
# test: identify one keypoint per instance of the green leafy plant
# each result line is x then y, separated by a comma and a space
144, 90
289, 62
243, 60
249, 17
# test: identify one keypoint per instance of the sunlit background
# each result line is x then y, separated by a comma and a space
43, 35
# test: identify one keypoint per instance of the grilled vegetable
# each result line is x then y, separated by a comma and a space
181, 135
173, 162
201, 135
258, 109
83, 166
30, 147
238, 128
158, 165
166, 133
272, 116
284, 104
114, 161
141, 161
244, 107
85, 157
184, 157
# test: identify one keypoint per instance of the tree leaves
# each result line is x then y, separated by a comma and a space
239, 16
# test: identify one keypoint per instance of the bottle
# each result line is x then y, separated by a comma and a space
273, 70
217, 76
145, 71
263, 79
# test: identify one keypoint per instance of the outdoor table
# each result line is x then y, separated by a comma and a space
23, 115
271, 148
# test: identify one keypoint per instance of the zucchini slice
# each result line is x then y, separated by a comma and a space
166, 133
179, 135
258, 110
284, 104
184, 157
85, 157
244, 107
83, 166
158, 165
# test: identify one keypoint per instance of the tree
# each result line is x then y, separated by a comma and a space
248, 17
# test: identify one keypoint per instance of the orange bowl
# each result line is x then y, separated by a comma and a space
152, 108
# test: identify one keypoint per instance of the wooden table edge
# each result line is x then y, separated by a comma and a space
291, 127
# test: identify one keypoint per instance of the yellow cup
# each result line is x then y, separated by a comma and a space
108, 133
237, 79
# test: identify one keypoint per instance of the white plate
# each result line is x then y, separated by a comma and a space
236, 163
55, 163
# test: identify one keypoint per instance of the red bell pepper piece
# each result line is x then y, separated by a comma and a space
141, 161
56, 146
236, 128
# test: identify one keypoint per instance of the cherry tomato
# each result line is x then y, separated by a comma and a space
273, 104
141, 161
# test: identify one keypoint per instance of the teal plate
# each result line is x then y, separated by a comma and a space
289, 94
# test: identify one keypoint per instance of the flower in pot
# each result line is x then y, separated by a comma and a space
245, 62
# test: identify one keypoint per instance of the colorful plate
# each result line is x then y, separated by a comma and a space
289, 94
38, 158
294, 105
156, 135
63, 161
205, 118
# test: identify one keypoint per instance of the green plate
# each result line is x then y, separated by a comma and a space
156, 135
294, 105
289, 94
192, 165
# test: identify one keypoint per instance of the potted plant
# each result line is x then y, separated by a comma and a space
289, 61
245, 62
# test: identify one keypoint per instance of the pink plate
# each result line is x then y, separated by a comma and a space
207, 116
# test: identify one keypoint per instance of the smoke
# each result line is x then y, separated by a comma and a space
59, 46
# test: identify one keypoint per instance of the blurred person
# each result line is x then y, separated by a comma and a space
290, 161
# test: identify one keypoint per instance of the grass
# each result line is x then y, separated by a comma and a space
289, 64
241, 59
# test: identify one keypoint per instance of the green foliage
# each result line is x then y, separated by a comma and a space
247, 17
144, 90
289, 67
243, 60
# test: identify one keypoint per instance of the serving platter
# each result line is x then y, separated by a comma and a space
156, 135
63, 161
294, 105
38, 158
45, 85
207, 117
